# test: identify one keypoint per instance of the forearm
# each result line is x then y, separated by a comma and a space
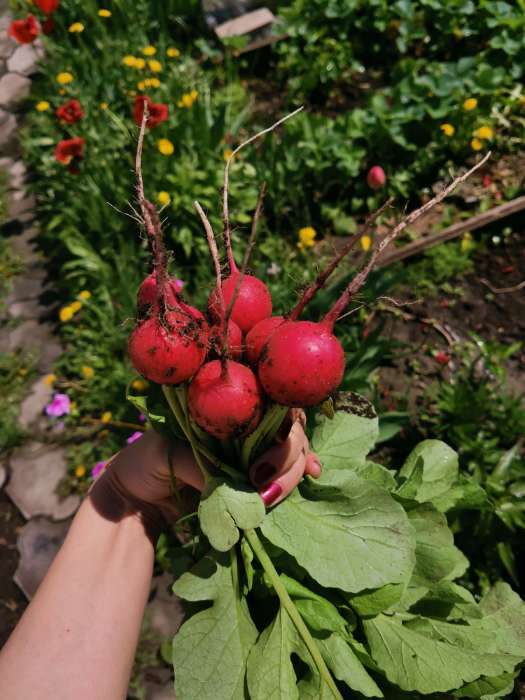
77, 638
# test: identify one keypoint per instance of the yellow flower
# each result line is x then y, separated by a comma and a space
42, 106
186, 100
484, 132
75, 306
84, 295
163, 198
103, 105
154, 82
194, 94
106, 417
140, 63
80, 471
172, 52
50, 379
130, 61
467, 242
87, 372
447, 129
306, 237
155, 66
64, 78
470, 104
76, 28
141, 86
165, 147
366, 243
104, 13
139, 384
66, 313
227, 153
476, 145
149, 51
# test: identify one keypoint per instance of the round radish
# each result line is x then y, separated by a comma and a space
376, 177
234, 340
302, 363
147, 293
172, 350
253, 302
259, 335
225, 399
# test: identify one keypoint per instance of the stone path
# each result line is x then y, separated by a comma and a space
31, 473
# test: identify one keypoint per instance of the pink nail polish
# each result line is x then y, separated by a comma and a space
271, 493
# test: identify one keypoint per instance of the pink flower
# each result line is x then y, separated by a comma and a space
142, 418
59, 406
97, 469
134, 437
179, 284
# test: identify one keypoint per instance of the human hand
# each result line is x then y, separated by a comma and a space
138, 478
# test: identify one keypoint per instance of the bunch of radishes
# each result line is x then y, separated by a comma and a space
240, 358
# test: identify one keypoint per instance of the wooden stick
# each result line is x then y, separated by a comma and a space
451, 232
502, 290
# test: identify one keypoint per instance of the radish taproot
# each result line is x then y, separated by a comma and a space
301, 364
171, 350
233, 339
147, 293
252, 304
225, 399
259, 335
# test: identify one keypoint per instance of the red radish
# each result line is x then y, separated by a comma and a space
225, 399
234, 339
147, 293
376, 177
302, 363
169, 352
259, 335
252, 304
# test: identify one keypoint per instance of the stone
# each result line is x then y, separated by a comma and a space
14, 89
16, 208
24, 60
26, 309
24, 245
38, 337
36, 470
38, 543
32, 407
7, 45
7, 133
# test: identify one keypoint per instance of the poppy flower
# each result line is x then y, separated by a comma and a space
70, 112
48, 26
47, 6
25, 30
442, 358
157, 112
68, 149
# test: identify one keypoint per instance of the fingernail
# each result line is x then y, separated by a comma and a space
271, 493
263, 473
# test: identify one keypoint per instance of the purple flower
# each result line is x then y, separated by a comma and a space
142, 418
59, 406
97, 469
134, 437
179, 284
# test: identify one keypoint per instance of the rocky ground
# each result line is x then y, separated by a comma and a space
33, 519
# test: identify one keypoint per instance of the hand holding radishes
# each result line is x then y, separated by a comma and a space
229, 381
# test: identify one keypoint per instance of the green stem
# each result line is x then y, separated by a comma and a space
265, 431
292, 611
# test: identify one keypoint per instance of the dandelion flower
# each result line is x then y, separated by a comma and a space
155, 66
165, 147
50, 379
129, 61
75, 306
76, 28
447, 129
104, 13
87, 372
65, 78
163, 198
366, 243
42, 106
306, 235
139, 384
172, 52
84, 295
149, 51
66, 313
227, 153
484, 132
106, 417
476, 145
470, 104
140, 63
80, 471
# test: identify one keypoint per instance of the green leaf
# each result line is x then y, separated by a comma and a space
371, 603
467, 494
211, 649
432, 466
437, 557
345, 439
271, 675
346, 667
435, 657
448, 601
321, 616
351, 538
223, 509
487, 688
504, 615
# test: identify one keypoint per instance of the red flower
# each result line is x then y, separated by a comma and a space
25, 30
486, 181
157, 112
68, 149
442, 357
48, 26
47, 6
70, 112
